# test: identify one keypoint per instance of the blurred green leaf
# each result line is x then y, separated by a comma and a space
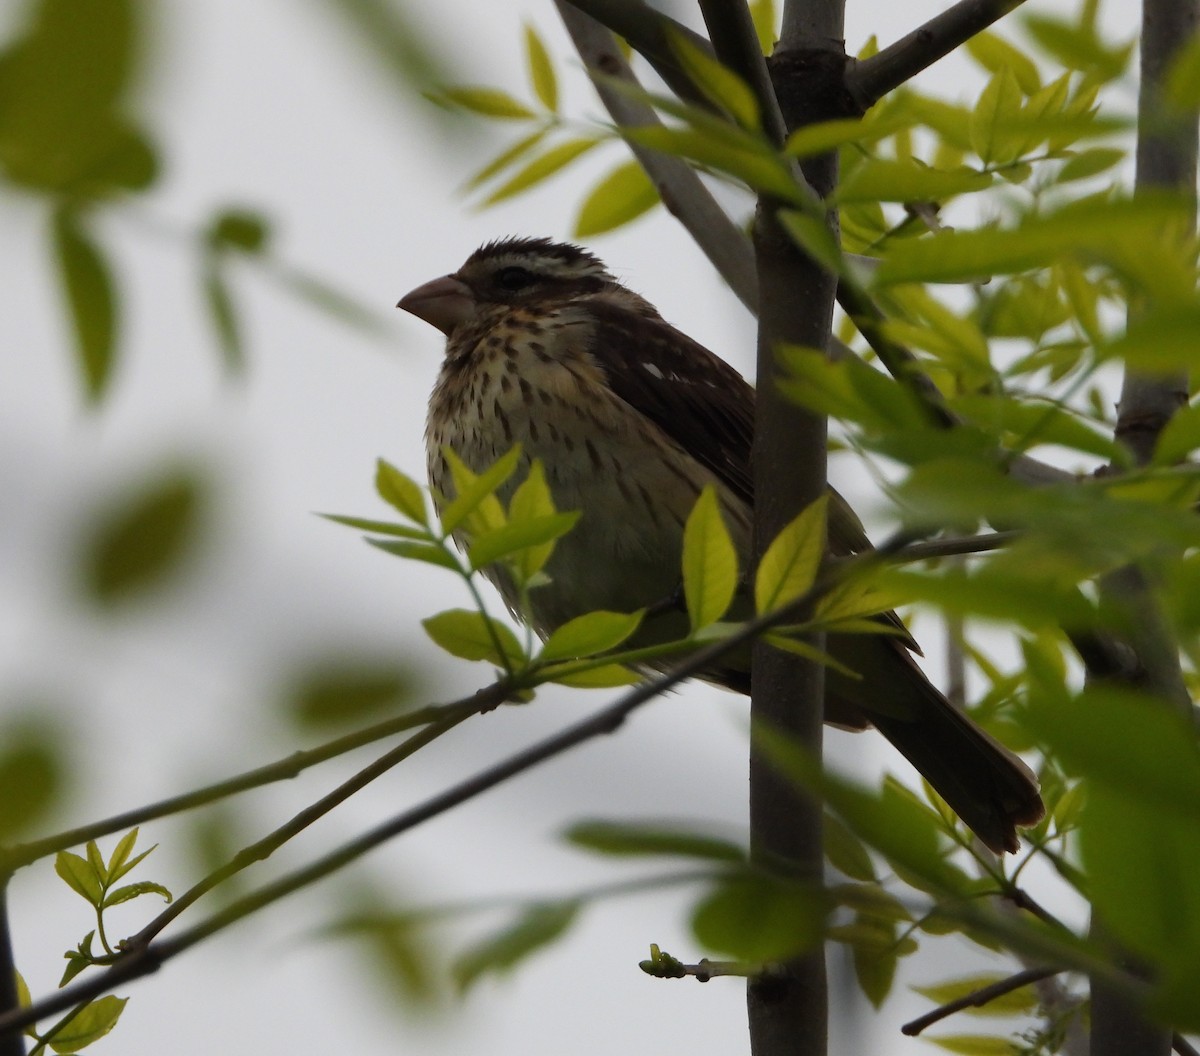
541, 69
765, 21
1078, 47
32, 775
710, 566
873, 943
718, 83
436, 554
506, 158
90, 1025
1180, 438
141, 543
995, 113
91, 298
238, 228
760, 919
606, 676
845, 851
590, 634
543, 166
63, 88
975, 1044
620, 197
1091, 162
537, 927
639, 839
1182, 87
340, 690
490, 102
1016, 1002
888, 180
367, 524
994, 54
790, 565
471, 635
219, 299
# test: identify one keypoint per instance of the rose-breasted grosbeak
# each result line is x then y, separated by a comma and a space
631, 418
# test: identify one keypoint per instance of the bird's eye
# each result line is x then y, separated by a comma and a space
514, 278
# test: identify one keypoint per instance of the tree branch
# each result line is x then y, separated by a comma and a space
648, 32
680, 188
868, 81
978, 998
10, 1044
283, 769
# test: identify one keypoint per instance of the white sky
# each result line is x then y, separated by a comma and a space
268, 105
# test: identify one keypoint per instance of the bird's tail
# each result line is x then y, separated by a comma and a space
984, 783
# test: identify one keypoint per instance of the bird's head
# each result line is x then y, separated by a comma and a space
512, 273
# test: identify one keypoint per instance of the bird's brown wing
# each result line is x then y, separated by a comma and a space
705, 406
693, 396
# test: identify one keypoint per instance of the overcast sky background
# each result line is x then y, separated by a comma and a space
274, 105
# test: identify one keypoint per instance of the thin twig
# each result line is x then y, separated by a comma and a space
682, 192
264, 848
281, 770
978, 998
139, 961
868, 81
648, 32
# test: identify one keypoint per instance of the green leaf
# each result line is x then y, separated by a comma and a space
78, 874
131, 891
716, 82
606, 676
1016, 1002
889, 180
1092, 162
476, 493
401, 492
760, 919
532, 500
537, 927
638, 839
367, 524
876, 954
430, 553
472, 635
975, 1044
219, 299
491, 102
765, 21
994, 54
812, 234
541, 69
119, 862
1180, 437
845, 851
243, 229
506, 158
90, 1025
1108, 228
146, 540
620, 197
993, 119
96, 860
710, 567
91, 298
1078, 47
589, 635
789, 567
759, 169
543, 166
1182, 88
518, 536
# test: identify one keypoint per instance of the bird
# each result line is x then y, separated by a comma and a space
630, 419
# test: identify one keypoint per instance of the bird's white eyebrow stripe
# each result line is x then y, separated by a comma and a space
550, 263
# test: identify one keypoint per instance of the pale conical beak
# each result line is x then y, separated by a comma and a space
444, 303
